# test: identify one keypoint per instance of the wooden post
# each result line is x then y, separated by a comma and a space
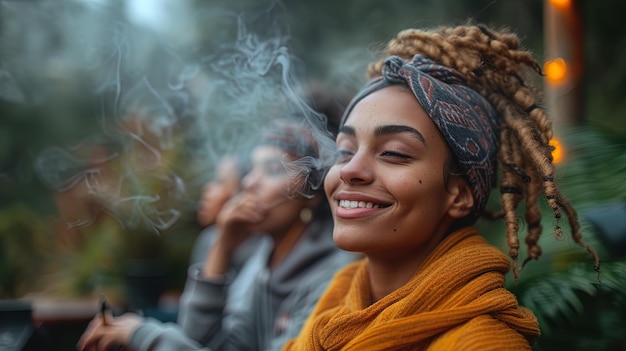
564, 66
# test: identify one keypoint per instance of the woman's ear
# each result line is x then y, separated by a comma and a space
463, 199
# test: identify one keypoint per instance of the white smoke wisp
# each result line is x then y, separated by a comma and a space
158, 114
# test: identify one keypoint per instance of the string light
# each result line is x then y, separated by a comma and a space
556, 70
557, 152
561, 4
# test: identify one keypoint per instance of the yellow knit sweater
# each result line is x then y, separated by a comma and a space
456, 301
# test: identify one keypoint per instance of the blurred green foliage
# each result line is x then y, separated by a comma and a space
578, 308
24, 244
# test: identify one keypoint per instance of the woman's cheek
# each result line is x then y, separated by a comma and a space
331, 180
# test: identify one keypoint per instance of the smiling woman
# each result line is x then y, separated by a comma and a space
418, 152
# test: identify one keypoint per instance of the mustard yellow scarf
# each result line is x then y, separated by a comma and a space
456, 301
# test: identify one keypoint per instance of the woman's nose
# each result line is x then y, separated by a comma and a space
357, 170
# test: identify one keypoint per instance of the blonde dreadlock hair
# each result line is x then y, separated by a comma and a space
495, 66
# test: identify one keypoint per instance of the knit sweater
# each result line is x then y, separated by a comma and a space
456, 301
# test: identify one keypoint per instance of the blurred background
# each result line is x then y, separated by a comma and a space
114, 113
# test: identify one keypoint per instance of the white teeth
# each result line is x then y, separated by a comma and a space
357, 204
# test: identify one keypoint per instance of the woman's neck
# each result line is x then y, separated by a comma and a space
389, 272
284, 244
386, 277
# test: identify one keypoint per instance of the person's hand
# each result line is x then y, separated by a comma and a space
237, 218
115, 335
235, 224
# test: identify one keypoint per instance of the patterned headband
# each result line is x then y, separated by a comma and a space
465, 118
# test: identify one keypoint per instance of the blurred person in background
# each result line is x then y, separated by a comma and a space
213, 197
289, 269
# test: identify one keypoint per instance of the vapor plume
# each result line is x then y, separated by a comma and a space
160, 112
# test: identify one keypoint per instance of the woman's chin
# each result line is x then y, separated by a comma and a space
348, 242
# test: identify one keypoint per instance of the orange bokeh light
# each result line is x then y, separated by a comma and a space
561, 4
558, 152
555, 70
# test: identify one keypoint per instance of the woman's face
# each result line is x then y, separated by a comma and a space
273, 189
387, 190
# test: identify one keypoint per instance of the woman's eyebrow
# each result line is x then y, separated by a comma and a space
347, 130
387, 130
397, 129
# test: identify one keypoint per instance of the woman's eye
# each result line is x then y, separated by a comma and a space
395, 154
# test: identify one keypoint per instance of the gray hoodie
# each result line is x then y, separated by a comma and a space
276, 304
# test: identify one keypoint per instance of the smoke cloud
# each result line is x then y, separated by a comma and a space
150, 109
